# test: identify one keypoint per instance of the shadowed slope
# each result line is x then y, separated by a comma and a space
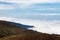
11, 28
13, 31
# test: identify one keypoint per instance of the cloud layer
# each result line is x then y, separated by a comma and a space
6, 7
39, 25
31, 7
31, 1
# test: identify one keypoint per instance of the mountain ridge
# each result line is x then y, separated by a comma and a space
13, 32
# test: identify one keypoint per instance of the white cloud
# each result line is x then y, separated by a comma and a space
26, 3
9, 0
41, 14
44, 8
55, 14
31, 1
52, 9
39, 25
7, 7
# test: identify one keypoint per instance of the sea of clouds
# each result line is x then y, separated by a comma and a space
39, 25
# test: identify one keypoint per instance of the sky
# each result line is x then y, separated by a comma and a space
31, 9
44, 15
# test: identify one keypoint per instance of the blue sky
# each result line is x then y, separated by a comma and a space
38, 9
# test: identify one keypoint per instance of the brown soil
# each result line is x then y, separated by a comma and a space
12, 32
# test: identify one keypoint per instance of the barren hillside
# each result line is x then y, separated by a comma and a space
10, 31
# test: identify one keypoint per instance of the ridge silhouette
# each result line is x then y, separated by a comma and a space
19, 25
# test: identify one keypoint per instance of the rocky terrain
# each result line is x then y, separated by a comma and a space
14, 31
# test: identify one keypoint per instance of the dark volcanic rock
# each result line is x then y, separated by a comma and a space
11, 31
